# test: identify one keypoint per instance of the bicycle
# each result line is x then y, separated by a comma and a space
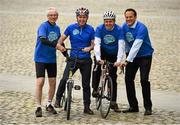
67, 95
105, 90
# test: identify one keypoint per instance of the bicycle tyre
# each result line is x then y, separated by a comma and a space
98, 98
107, 93
69, 98
63, 100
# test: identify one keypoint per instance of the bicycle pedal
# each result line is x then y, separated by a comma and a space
77, 87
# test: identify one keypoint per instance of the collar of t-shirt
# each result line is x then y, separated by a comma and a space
134, 25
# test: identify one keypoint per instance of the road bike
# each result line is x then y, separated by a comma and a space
105, 90
67, 95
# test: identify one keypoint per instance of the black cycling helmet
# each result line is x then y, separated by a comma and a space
109, 15
82, 11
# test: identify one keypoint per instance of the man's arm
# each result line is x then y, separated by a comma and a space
47, 42
97, 50
121, 52
60, 43
89, 48
134, 50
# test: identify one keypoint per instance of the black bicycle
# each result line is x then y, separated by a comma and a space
105, 90
67, 95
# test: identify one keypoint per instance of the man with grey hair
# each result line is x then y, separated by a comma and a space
45, 59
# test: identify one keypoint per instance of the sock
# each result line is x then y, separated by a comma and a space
38, 105
49, 102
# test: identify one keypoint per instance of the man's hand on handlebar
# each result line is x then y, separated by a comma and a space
60, 47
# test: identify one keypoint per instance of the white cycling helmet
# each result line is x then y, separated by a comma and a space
109, 15
82, 11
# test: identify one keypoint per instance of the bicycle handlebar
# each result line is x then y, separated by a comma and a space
76, 58
77, 49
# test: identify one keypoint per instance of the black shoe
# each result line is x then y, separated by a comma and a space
115, 107
95, 93
57, 104
38, 112
51, 109
88, 111
148, 112
131, 110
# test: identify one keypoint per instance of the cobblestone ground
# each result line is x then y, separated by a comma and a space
19, 20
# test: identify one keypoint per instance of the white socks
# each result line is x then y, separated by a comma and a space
49, 102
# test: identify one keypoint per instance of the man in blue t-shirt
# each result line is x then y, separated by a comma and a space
109, 40
81, 35
45, 59
139, 56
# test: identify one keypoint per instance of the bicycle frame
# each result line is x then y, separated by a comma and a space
102, 88
70, 86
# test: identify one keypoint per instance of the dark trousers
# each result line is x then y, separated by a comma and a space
112, 72
144, 65
85, 69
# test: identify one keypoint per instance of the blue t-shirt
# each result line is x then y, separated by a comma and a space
80, 38
44, 53
139, 32
109, 39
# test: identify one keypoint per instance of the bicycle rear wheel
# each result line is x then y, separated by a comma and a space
107, 90
69, 98
63, 100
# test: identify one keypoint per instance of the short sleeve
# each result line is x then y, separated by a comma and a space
67, 31
42, 30
142, 33
97, 33
92, 34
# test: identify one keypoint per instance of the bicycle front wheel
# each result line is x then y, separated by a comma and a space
69, 98
98, 98
107, 90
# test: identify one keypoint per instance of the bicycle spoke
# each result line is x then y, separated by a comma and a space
106, 97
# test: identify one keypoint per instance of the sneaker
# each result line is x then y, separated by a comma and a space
95, 93
115, 107
38, 112
51, 109
57, 104
148, 112
88, 111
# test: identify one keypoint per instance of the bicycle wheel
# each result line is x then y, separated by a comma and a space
98, 98
69, 98
63, 99
106, 99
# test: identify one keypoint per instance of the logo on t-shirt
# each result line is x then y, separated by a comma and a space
52, 36
75, 31
129, 37
108, 39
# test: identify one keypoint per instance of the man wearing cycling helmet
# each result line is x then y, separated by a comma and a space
81, 35
109, 45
